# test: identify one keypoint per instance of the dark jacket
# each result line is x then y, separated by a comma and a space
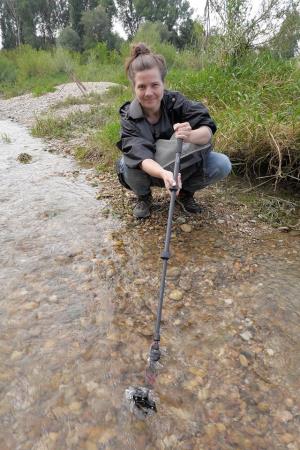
138, 136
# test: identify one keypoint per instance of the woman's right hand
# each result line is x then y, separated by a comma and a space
169, 181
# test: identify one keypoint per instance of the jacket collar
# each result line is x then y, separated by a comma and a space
135, 110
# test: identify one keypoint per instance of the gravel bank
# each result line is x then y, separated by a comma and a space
25, 108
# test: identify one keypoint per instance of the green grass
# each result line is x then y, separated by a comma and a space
256, 107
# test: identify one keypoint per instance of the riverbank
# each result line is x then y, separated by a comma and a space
230, 332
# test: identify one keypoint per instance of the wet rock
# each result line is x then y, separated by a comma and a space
289, 402
185, 284
198, 372
228, 301
173, 272
220, 427
211, 430
263, 407
107, 435
192, 384
91, 386
286, 438
186, 228
110, 273
24, 158
176, 294
243, 360
29, 306
270, 352
203, 394
284, 416
75, 407
89, 445
16, 355
170, 442
246, 336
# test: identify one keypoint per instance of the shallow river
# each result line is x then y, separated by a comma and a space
78, 301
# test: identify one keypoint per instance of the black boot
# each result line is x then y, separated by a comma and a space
187, 202
142, 208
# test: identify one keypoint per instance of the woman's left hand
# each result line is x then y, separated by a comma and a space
183, 131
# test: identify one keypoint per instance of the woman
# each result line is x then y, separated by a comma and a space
148, 140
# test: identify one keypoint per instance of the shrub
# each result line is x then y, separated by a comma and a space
8, 71
69, 39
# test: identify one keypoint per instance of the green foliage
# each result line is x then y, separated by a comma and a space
33, 22
69, 39
173, 14
286, 42
81, 153
255, 105
96, 25
152, 33
8, 71
34, 62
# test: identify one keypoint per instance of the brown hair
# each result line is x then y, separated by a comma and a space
141, 58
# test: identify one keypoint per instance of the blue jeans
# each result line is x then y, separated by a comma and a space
218, 166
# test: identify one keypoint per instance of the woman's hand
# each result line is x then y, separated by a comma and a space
169, 181
183, 131
199, 136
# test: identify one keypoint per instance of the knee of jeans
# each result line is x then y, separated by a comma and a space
225, 167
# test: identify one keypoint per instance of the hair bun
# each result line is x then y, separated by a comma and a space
139, 49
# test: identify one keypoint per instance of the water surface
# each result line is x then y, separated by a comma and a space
78, 303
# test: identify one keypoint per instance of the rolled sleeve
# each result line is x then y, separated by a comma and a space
134, 146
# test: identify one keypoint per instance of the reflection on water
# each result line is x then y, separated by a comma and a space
77, 313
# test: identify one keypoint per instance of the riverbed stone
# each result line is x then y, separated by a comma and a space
246, 336
243, 360
284, 416
186, 228
263, 407
176, 294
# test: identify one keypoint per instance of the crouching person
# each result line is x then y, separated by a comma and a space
150, 125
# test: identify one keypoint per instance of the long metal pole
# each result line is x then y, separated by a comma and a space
165, 256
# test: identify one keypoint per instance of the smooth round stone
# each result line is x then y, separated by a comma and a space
30, 306
263, 407
176, 295
220, 427
284, 416
243, 360
173, 272
287, 438
289, 402
16, 355
186, 228
75, 407
89, 445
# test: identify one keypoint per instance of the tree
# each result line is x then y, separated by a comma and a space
152, 33
128, 16
286, 42
69, 39
10, 23
96, 25
132, 13
240, 30
33, 22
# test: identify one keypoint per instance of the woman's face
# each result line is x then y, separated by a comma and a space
149, 89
